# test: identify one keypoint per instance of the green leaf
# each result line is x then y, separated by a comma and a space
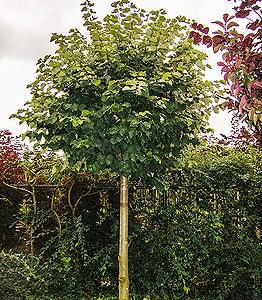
216, 109
97, 82
85, 113
77, 122
152, 48
157, 184
128, 88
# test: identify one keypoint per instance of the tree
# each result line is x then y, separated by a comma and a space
241, 64
128, 98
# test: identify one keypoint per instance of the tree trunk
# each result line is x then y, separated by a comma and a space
123, 241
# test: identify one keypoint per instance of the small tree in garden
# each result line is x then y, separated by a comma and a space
128, 97
241, 60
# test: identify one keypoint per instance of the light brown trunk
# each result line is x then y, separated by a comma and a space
123, 241
32, 225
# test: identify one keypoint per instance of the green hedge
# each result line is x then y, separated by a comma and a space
200, 239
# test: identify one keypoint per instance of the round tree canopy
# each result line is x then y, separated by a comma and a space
127, 97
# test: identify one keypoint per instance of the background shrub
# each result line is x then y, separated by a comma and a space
198, 239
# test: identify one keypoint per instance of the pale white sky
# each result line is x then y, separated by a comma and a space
25, 31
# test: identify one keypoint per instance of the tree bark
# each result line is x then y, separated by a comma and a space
123, 241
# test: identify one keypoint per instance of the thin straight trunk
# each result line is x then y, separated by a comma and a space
32, 226
123, 241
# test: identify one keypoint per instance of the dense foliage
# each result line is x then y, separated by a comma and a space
128, 97
241, 64
9, 156
200, 239
10, 172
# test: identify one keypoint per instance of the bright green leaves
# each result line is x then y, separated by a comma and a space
128, 100
85, 113
137, 85
77, 122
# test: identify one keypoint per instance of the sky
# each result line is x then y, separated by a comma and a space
26, 27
